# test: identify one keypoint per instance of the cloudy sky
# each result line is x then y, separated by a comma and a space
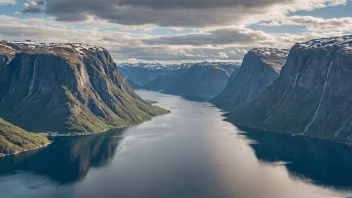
175, 30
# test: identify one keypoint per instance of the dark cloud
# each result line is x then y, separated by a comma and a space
180, 13
197, 4
216, 37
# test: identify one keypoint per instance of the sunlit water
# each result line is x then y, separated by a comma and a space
189, 153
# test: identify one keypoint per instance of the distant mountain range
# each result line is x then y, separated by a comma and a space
139, 74
195, 80
201, 81
65, 88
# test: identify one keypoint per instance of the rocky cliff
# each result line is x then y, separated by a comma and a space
260, 67
14, 139
66, 88
311, 97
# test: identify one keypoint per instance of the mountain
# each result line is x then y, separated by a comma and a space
133, 84
260, 67
311, 97
14, 139
139, 74
162, 82
202, 80
66, 88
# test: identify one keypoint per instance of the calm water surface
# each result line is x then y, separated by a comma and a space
190, 153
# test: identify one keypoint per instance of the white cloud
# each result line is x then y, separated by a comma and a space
5, 2
34, 6
225, 44
223, 55
314, 23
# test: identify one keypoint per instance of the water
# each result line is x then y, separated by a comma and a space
190, 153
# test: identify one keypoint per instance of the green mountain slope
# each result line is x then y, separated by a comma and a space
14, 139
67, 88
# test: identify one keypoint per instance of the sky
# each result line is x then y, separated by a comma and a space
175, 31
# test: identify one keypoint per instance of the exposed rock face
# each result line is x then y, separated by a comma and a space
15, 140
203, 81
67, 88
312, 96
260, 67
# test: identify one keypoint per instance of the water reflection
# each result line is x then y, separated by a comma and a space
67, 160
189, 153
323, 162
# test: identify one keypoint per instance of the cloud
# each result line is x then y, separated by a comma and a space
238, 36
180, 13
5, 2
314, 23
32, 6
224, 44
122, 46
197, 4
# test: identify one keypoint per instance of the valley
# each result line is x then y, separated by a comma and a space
269, 113
175, 99
190, 152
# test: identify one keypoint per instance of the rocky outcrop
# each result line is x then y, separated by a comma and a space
311, 97
260, 67
201, 81
14, 140
67, 88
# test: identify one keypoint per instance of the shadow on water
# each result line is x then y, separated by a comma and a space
196, 98
324, 162
68, 159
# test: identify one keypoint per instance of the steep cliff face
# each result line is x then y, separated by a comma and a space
260, 67
312, 96
204, 81
14, 139
67, 88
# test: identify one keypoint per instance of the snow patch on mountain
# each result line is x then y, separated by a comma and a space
65, 48
344, 43
271, 52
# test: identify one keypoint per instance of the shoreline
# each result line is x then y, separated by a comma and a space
75, 134
78, 134
25, 150
285, 132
